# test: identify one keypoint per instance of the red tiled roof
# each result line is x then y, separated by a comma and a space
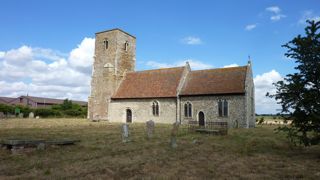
215, 81
150, 83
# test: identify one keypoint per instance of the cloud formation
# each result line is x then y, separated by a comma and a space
191, 40
275, 13
263, 84
45, 72
250, 27
231, 65
274, 9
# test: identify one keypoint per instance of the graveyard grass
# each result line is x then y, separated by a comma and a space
256, 153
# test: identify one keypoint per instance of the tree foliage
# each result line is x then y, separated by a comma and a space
66, 109
299, 93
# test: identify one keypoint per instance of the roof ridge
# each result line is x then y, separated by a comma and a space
116, 29
220, 68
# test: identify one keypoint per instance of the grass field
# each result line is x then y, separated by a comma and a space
256, 153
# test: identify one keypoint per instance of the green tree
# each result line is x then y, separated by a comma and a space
299, 93
67, 104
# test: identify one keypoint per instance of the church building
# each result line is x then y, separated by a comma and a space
166, 95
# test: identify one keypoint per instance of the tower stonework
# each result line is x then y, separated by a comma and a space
114, 56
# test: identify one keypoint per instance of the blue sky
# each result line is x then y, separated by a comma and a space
208, 33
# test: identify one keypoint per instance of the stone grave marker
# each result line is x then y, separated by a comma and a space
37, 117
174, 133
31, 115
150, 129
20, 115
41, 146
125, 133
2, 115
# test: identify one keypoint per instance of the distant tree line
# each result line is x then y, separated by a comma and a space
66, 109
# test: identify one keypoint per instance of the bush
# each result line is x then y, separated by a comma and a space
67, 109
261, 120
6, 109
46, 112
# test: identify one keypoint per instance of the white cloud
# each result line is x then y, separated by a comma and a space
308, 15
2, 54
276, 13
155, 64
277, 17
190, 40
46, 72
194, 64
18, 56
263, 84
274, 9
250, 27
82, 57
231, 65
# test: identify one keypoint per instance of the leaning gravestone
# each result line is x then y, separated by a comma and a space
125, 133
174, 133
31, 115
150, 129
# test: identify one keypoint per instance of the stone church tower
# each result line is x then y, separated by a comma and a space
114, 56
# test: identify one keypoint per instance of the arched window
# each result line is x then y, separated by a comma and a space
126, 45
223, 108
106, 44
188, 109
128, 116
155, 108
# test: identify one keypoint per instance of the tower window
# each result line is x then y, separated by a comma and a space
126, 44
223, 108
155, 108
106, 43
188, 109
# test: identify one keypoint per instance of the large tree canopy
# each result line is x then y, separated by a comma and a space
299, 93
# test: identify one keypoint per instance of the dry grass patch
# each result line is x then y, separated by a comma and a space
243, 154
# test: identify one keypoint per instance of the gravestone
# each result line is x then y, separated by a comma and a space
150, 129
31, 115
125, 133
41, 146
37, 117
2, 116
174, 133
21, 115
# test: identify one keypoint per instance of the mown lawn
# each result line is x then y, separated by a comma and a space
256, 153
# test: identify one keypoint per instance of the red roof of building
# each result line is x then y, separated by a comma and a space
9, 100
6, 100
51, 100
150, 84
215, 81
